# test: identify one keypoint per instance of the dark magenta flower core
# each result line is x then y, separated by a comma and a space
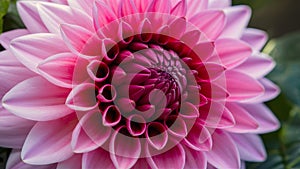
147, 82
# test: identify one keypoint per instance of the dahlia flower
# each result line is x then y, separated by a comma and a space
134, 84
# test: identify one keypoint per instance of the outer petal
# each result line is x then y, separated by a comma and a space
244, 122
53, 15
219, 3
32, 49
264, 116
224, 153
254, 37
271, 91
65, 63
74, 162
211, 22
242, 87
84, 5
14, 162
257, 65
7, 37
195, 6
53, 140
250, 146
232, 52
237, 20
11, 72
37, 99
29, 13
96, 159
13, 129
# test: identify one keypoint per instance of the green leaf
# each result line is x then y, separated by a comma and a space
4, 4
12, 19
286, 52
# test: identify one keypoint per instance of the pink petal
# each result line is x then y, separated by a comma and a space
180, 9
102, 15
244, 122
250, 146
176, 126
12, 72
54, 14
257, 65
219, 3
29, 13
255, 37
195, 6
96, 159
198, 138
141, 5
30, 100
210, 22
127, 8
172, 158
74, 162
141, 163
31, 49
89, 133
65, 63
79, 39
13, 129
194, 159
160, 6
7, 37
125, 150
111, 116
53, 140
84, 5
232, 52
271, 90
264, 116
204, 50
242, 87
15, 162
216, 115
156, 135
237, 20
223, 145
82, 97
136, 125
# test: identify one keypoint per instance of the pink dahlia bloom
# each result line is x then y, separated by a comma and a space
134, 84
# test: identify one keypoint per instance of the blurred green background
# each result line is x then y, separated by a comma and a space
281, 19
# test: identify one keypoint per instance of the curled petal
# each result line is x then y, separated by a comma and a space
111, 116
107, 93
7, 37
156, 135
136, 125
